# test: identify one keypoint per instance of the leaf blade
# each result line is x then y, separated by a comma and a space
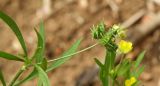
98, 63
2, 78
123, 68
42, 75
41, 31
139, 71
14, 27
139, 59
38, 55
10, 56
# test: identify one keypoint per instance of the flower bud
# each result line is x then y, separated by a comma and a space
98, 31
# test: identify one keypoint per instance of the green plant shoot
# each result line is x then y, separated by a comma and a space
114, 43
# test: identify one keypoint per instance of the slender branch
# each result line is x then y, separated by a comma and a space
74, 53
17, 76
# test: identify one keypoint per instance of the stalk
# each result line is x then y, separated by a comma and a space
108, 66
17, 76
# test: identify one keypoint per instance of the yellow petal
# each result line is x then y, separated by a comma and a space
124, 46
133, 80
130, 82
127, 83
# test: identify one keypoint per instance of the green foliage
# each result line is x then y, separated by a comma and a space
139, 59
10, 56
123, 68
110, 72
57, 63
38, 55
42, 32
42, 75
98, 62
139, 71
14, 27
98, 31
2, 78
38, 60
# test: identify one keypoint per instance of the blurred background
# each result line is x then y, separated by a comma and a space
67, 20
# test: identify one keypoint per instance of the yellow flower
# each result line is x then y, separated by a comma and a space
130, 82
124, 46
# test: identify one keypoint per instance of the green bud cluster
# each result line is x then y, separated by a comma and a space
107, 38
98, 31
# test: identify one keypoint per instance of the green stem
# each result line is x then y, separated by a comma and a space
108, 66
17, 75
105, 82
113, 81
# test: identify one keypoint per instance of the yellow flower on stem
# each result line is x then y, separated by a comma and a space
124, 46
130, 82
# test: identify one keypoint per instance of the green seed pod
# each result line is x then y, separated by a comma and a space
98, 31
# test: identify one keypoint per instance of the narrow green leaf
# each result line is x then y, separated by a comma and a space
42, 75
123, 68
10, 56
39, 82
40, 49
2, 78
139, 71
59, 62
139, 59
98, 62
41, 31
14, 27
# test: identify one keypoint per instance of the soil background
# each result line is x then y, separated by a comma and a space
68, 20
